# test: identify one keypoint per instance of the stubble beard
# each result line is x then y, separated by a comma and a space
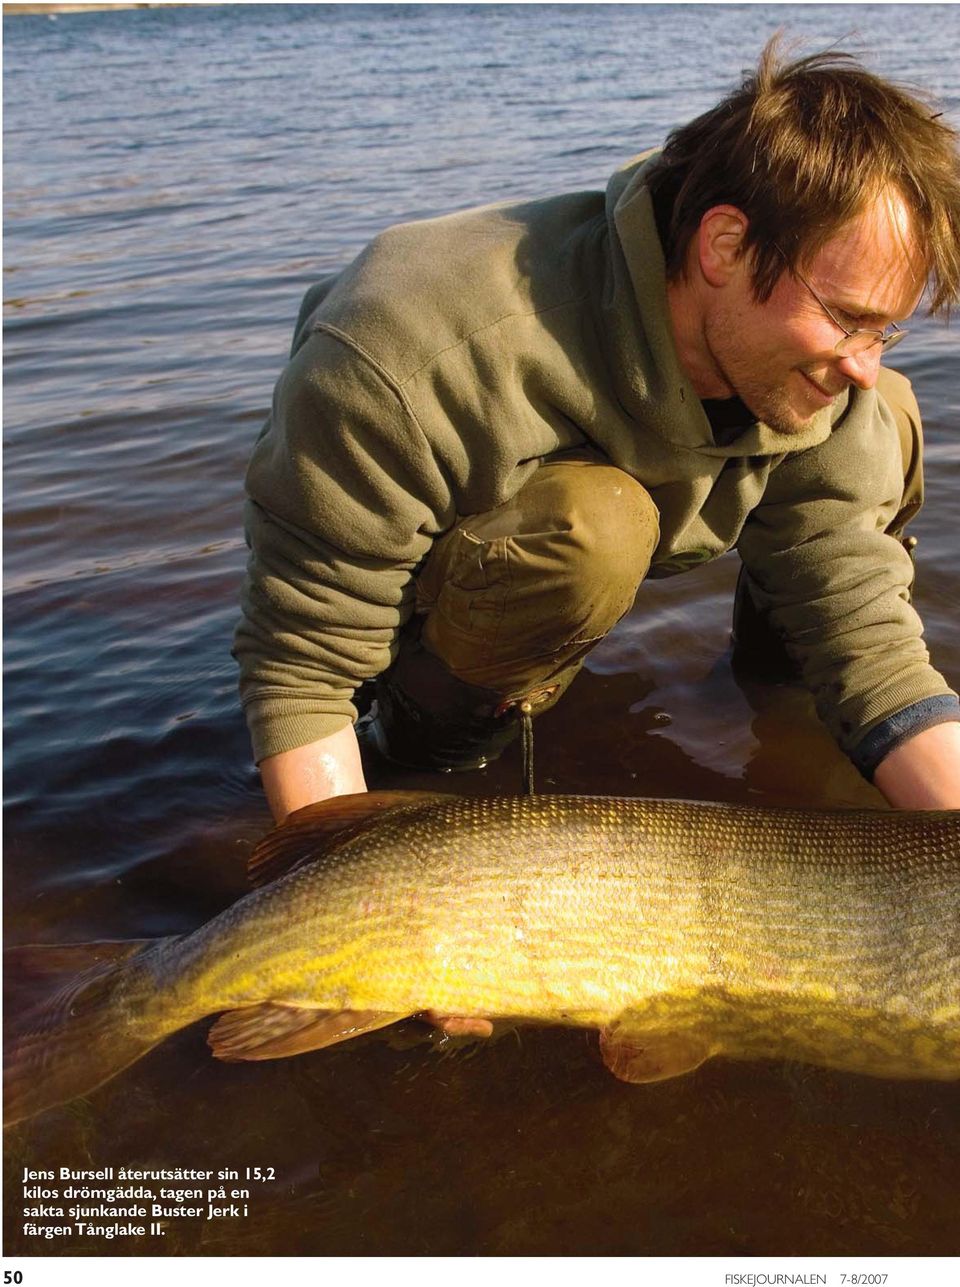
770, 403
774, 408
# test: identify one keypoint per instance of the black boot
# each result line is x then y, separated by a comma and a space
426, 718
757, 648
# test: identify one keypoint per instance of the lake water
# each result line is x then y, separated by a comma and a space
174, 179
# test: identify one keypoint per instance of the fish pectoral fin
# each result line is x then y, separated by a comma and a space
319, 827
637, 1056
271, 1031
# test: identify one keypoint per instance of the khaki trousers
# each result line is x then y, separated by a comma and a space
511, 601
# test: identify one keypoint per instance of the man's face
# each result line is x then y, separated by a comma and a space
778, 356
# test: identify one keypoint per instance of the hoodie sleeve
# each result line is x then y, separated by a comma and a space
834, 583
345, 497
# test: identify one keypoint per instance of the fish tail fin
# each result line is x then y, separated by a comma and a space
66, 1031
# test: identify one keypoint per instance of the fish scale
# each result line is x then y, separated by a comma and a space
680, 929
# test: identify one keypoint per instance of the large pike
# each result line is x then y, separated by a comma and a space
680, 930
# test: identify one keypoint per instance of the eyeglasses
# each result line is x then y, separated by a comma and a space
858, 341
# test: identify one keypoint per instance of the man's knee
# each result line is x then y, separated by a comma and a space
589, 526
544, 576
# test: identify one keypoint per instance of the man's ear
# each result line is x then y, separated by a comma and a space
720, 242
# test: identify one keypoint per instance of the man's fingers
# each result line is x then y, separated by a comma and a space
455, 1025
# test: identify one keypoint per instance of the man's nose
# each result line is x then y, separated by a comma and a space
863, 368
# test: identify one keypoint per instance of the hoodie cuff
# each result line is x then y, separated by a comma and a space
285, 723
889, 733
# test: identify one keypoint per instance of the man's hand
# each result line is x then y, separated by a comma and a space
459, 1025
923, 772
313, 772
318, 771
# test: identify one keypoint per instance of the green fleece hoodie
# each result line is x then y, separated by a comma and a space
431, 378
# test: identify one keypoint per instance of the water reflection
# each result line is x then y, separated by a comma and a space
173, 180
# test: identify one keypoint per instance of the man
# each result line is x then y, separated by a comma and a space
494, 425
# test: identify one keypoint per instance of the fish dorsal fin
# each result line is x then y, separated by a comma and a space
322, 826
